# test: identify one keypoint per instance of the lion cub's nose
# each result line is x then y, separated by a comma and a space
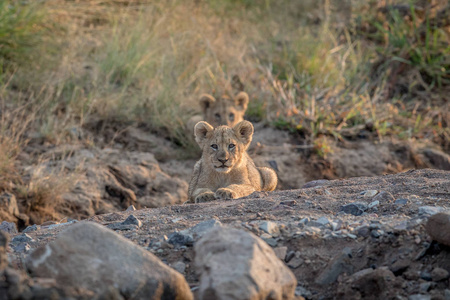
223, 161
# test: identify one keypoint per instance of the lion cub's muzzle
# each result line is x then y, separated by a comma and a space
223, 165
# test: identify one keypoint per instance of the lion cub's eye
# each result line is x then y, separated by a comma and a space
217, 116
214, 146
231, 146
231, 116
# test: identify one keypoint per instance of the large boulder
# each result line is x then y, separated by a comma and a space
235, 264
92, 257
438, 227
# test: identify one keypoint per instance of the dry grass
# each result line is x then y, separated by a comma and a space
40, 197
311, 67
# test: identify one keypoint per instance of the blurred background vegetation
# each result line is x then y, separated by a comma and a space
315, 68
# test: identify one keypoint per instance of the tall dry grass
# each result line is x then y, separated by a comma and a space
312, 67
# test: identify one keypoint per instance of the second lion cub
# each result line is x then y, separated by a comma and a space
225, 171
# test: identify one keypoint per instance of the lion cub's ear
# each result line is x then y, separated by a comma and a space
206, 101
201, 129
244, 131
241, 100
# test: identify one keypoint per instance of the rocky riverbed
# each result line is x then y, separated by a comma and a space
359, 238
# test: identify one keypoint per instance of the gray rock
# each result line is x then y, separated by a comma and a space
430, 210
315, 183
339, 264
321, 222
92, 257
400, 266
280, 252
403, 225
180, 239
438, 227
179, 266
130, 223
360, 274
21, 248
131, 208
376, 233
270, 228
373, 204
22, 238
235, 264
401, 201
295, 262
335, 225
447, 294
301, 291
290, 255
384, 197
31, 228
203, 227
369, 193
363, 231
269, 239
273, 164
425, 275
355, 209
439, 274
304, 221
132, 220
419, 297
8, 227
425, 287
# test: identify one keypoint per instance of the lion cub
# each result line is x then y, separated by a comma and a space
221, 111
225, 171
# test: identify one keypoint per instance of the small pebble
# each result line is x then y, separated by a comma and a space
355, 209
369, 193
295, 262
375, 233
401, 201
270, 228
280, 252
304, 221
131, 208
373, 204
179, 266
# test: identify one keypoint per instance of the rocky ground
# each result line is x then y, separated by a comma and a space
127, 166
359, 238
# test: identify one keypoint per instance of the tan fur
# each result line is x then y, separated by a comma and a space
225, 171
224, 110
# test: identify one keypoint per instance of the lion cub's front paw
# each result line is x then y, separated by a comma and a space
224, 193
205, 197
